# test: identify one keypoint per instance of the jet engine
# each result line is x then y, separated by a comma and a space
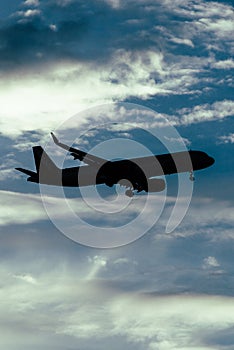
156, 185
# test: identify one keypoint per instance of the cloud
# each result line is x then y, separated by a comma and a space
224, 64
221, 27
7, 167
60, 307
98, 262
87, 220
204, 217
181, 140
14, 204
136, 27
42, 102
227, 138
58, 58
52, 65
53, 27
31, 3
170, 322
182, 41
206, 112
28, 13
210, 261
27, 278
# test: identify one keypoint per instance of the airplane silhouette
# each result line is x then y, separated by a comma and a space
136, 174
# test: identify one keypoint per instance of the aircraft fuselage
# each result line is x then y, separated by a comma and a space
136, 173
138, 170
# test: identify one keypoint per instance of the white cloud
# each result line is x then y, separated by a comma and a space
53, 27
210, 24
71, 214
207, 112
221, 27
172, 321
182, 41
7, 170
43, 102
224, 64
27, 278
42, 107
199, 9
64, 306
115, 3
227, 138
7, 173
206, 216
98, 263
25, 208
121, 261
28, 13
210, 262
32, 3
176, 141
20, 208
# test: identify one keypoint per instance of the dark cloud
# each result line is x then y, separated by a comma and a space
35, 43
58, 31
78, 31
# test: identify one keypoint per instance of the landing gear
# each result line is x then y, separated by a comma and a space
191, 176
129, 193
129, 187
125, 183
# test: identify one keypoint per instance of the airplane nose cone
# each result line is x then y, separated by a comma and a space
211, 161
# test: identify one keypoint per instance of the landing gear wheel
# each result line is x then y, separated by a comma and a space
129, 193
191, 176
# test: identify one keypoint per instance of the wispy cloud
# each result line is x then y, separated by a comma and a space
20, 208
227, 138
52, 66
31, 3
206, 112
28, 13
224, 64
68, 307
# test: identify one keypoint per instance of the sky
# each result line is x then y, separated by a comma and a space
102, 71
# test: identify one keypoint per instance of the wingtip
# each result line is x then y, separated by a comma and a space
54, 137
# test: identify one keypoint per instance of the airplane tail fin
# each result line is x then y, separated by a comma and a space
43, 161
46, 170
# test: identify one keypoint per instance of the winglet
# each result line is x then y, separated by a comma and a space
56, 141
78, 154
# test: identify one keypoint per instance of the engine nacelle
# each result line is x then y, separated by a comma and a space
156, 185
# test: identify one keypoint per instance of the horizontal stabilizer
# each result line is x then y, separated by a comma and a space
27, 172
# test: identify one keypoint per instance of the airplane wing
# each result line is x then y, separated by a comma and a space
78, 154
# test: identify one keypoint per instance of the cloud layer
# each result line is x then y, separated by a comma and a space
165, 291
60, 57
90, 312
